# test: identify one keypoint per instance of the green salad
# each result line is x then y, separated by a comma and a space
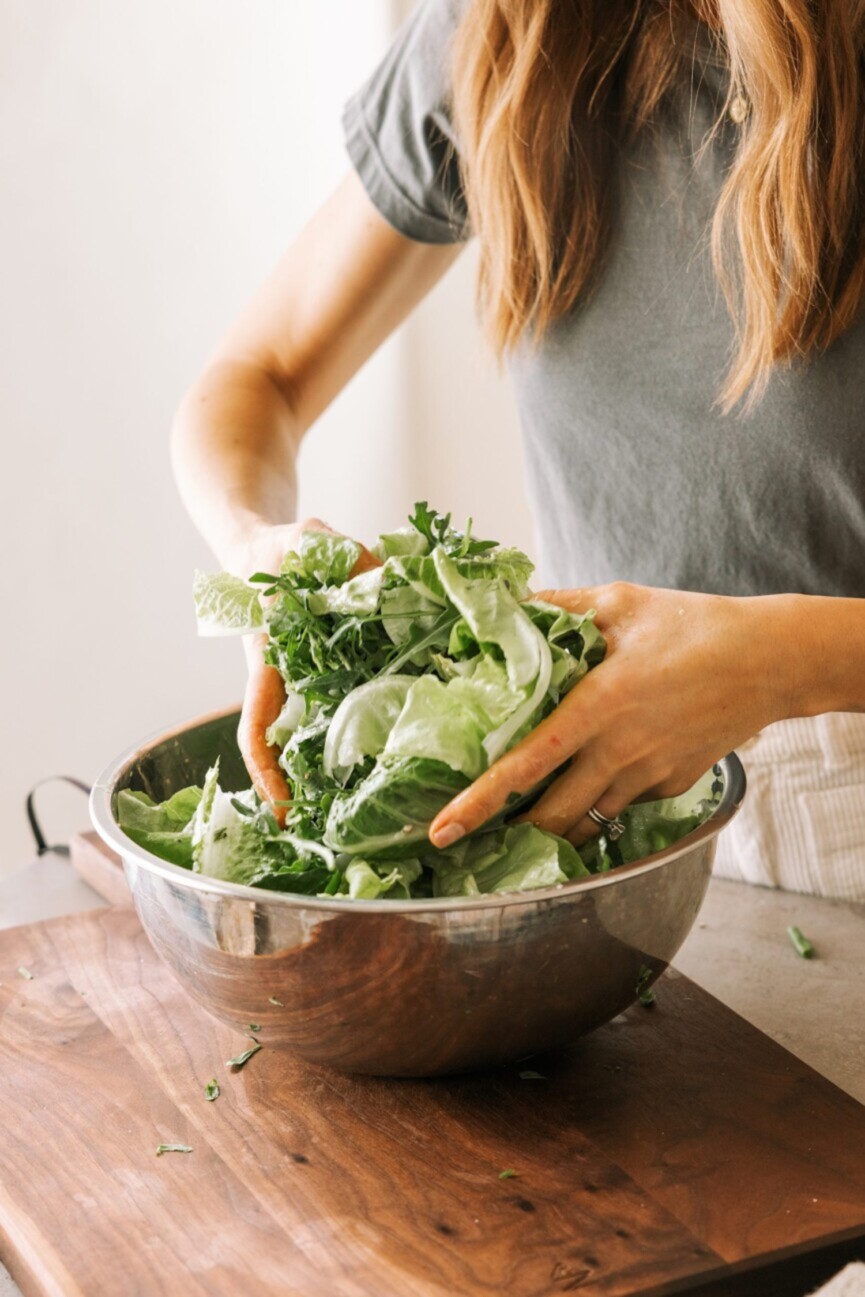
403, 684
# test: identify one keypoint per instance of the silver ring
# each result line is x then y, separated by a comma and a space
613, 828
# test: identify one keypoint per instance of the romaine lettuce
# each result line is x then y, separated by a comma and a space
390, 810
225, 605
403, 684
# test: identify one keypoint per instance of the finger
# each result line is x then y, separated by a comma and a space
610, 804
564, 731
564, 804
610, 603
577, 601
262, 703
366, 562
626, 789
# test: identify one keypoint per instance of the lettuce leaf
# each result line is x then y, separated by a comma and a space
405, 540
403, 684
367, 881
450, 721
498, 622
289, 719
390, 810
323, 557
225, 605
359, 596
516, 859
233, 839
164, 829
362, 723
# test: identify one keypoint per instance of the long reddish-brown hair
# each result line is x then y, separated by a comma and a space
546, 91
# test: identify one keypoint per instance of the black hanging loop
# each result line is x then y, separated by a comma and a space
39, 837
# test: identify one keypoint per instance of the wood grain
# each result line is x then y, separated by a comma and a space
99, 866
671, 1141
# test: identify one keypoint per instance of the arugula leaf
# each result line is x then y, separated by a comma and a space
432, 526
211, 1090
242, 1059
172, 1148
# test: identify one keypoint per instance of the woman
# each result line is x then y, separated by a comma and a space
669, 204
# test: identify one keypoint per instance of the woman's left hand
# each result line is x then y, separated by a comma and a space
686, 677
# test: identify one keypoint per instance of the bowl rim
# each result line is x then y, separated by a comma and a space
102, 816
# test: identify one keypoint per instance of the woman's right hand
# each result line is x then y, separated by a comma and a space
263, 551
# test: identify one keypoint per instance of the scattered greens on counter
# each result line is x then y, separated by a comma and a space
403, 684
645, 994
211, 1090
242, 1059
254, 1026
801, 944
172, 1148
507, 1175
271, 999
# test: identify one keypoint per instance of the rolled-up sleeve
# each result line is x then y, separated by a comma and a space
399, 134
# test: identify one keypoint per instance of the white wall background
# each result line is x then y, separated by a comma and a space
156, 158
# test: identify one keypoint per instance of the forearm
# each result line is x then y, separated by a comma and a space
234, 444
342, 287
815, 648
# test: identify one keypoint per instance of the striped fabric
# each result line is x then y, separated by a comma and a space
802, 825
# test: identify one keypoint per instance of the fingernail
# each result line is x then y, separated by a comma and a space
447, 836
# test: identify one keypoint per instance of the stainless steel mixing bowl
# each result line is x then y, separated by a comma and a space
403, 988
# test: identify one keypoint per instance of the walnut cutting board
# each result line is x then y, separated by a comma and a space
676, 1145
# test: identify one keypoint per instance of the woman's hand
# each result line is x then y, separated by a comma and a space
263, 550
685, 679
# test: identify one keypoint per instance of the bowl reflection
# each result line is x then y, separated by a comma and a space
404, 988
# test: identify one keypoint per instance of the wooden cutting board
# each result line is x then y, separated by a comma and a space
675, 1150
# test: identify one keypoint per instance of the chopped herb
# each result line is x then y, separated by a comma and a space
271, 999
644, 993
25, 972
242, 1059
801, 944
507, 1175
531, 1076
255, 1026
211, 1090
172, 1148
241, 807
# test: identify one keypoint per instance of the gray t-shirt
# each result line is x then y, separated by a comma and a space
633, 472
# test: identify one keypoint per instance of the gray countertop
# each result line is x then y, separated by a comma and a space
738, 950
